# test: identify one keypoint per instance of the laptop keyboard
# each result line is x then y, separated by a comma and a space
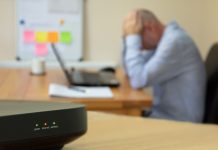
94, 79
91, 77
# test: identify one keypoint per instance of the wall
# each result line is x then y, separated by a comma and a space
7, 29
103, 21
210, 31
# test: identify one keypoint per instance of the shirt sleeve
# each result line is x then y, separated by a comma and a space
153, 68
133, 56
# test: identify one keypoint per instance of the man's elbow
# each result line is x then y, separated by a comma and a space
136, 83
138, 79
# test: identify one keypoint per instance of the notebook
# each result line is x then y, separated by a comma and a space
89, 92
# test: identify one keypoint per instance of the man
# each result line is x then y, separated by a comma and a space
166, 58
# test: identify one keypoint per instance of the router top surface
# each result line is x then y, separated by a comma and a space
8, 108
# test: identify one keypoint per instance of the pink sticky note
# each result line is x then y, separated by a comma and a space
41, 50
28, 36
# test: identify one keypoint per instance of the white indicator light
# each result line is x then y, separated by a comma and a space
54, 123
37, 125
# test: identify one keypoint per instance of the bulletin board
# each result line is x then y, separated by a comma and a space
42, 22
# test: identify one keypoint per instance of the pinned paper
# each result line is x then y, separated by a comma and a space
64, 6
41, 37
28, 36
66, 37
41, 50
53, 37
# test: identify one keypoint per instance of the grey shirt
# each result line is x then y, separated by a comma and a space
174, 69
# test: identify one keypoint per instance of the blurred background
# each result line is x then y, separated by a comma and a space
103, 22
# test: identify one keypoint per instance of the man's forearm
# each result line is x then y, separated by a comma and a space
135, 60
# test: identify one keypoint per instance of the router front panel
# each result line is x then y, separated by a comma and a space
53, 124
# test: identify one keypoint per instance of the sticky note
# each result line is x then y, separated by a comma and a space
28, 36
66, 37
53, 37
41, 37
41, 50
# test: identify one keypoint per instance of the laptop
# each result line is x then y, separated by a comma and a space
85, 78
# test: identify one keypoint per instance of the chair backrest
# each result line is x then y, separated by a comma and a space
211, 101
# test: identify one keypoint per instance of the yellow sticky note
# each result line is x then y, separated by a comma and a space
41, 37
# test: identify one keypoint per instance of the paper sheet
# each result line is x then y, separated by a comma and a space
64, 6
90, 92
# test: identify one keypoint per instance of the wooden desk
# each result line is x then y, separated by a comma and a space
18, 84
111, 132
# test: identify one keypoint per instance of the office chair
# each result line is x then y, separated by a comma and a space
211, 101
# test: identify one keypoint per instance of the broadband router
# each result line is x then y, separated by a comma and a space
40, 125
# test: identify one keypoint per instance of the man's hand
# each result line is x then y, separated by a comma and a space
132, 24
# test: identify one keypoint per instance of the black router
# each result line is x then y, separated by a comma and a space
40, 125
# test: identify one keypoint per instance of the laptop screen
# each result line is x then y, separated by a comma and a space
60, 61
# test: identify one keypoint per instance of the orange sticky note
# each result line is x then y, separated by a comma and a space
41, 50
28, 36
53, 37
41, 37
